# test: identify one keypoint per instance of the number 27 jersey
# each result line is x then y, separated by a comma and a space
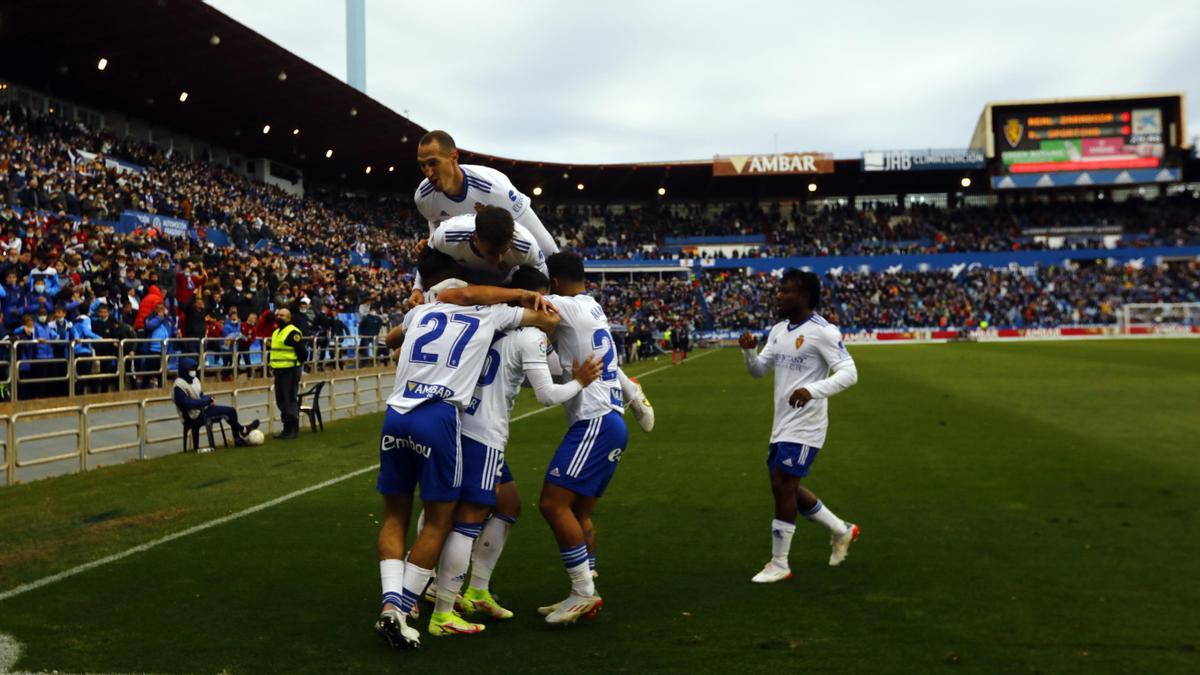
584, 331
444, 350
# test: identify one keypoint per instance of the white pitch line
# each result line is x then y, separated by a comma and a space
79, 569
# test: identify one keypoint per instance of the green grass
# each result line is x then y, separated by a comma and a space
1026, 508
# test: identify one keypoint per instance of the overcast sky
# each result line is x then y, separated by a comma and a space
619, 80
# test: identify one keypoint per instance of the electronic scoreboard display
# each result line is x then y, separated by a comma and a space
1087, 135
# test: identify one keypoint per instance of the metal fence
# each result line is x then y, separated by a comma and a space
71, 438
32, 369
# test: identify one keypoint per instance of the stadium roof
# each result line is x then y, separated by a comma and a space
157, 49
238, 82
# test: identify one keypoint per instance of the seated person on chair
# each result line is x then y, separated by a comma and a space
192, 401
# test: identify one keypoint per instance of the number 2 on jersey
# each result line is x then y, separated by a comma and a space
439, 323
599, 338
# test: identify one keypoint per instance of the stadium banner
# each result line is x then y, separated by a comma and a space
976, 334
133, 220
953, 262
773, 164
923, 160
1083, 178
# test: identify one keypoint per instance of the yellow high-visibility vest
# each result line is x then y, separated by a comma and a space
283, 355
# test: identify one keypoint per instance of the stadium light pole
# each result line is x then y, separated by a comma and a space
356, 44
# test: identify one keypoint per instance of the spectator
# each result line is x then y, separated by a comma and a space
193, 403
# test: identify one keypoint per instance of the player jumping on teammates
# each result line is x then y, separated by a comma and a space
513, 356
451, 189
443, 353
803, 349
586, 460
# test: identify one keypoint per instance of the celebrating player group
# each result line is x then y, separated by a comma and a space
497, 306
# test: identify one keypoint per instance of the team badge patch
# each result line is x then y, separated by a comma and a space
1012, 132
799, 341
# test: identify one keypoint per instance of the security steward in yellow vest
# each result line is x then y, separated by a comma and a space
287, 356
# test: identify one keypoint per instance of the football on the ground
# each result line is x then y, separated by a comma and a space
255, 437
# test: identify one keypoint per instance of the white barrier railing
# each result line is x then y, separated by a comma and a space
81, 423
73, 367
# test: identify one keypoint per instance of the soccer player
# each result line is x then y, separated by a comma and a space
443, 352
452, 189
489, 246
514, 356
803, 349
681, 343
587, 458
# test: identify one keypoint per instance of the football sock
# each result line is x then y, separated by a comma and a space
391, 577
821, 515
781, 541
415, 580
592, 561
575, 559
452, 568
628, 388
488, 548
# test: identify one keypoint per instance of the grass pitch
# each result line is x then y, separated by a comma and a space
1025, 508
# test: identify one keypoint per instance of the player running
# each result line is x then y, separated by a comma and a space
587, 458
803, 349
514, 356
444, 349
452, 189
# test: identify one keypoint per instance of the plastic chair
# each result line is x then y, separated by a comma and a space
313, 410
192, 427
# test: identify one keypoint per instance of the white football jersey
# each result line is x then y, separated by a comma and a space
486, 418
801, 355
481, 185
445, 347
455, 238
584, 331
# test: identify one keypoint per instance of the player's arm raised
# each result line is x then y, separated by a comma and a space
759, 364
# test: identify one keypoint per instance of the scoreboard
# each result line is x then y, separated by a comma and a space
1087, 135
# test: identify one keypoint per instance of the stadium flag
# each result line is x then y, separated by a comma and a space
774, 164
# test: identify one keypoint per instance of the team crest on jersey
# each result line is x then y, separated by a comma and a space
799, 341
1012, 132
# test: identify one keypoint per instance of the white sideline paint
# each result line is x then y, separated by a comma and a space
10, 648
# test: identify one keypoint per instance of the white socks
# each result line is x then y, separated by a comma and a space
452, 568
628, 388
823, 516
415, 580
781, 541
391, 577
488, 548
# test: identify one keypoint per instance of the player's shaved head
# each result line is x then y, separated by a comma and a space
494, 228
435, 267
444, 141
